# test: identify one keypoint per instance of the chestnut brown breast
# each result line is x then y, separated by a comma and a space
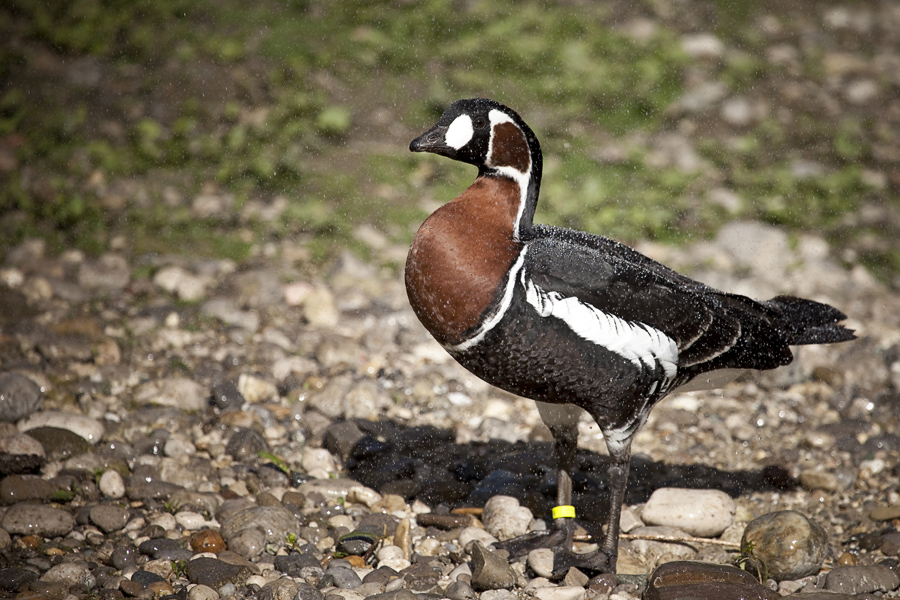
458, 261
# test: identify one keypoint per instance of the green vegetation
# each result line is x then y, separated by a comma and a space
116, 116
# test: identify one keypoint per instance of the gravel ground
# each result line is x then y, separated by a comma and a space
212, 431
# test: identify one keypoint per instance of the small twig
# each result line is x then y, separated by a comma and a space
665, 538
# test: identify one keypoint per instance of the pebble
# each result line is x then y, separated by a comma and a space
227, 311
208, 540
109, 517
19, 397
862, 579
202, 592
679, 580
177, 392
73, 574
818, 480
182, 283
20, 453
275, 522
885, 513
215, 573
563, 592
490, 571
248, 542
504, 518
37, 519
85, 427
789, 544
703, 513
256, 390
111, 484
540, 560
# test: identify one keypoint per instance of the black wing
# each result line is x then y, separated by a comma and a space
712, 329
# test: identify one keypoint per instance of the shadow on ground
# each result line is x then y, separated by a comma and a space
426, 463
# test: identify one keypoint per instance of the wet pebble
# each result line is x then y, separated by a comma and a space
109, 517
177, 392
215, 573
111, 484
73, 574
37, 519
19, 397
505, 518
20, 453
862, 579
703, 513
85, 427
21, 488
789, 544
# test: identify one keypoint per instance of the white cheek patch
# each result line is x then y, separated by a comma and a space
460, 132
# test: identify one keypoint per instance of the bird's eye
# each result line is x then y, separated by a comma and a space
480, 123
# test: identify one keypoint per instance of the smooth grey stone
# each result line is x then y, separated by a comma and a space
13, 578
227, 396
37, 519
460, 590
109, 517
280, 589
402, 594
22, 488
124, 557
245, 445
862, 579
19, 397
58, 443
306, 591
343, 578
73, 574
340, 438
216, 573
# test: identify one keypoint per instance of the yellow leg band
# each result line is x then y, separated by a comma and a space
563, 511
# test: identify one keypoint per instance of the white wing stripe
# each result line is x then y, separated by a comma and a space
637, 342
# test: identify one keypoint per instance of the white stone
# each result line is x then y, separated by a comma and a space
504, 518
202, 592
319, 308
475, 534
111, 484
705, 513
178, 392
366, 496
181, 282
318, 459
563, 592
255, 389
89, 429
397, 564
702, 45
176, 447
190, 520
541, 561
388, 552
164, 520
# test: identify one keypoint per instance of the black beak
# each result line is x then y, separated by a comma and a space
431, 141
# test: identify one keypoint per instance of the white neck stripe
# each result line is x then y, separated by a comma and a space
495, 318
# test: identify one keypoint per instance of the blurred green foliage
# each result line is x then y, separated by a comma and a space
313, 101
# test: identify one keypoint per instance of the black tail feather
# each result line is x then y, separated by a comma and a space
809, 322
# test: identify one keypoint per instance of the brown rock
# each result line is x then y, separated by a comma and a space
207, 540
